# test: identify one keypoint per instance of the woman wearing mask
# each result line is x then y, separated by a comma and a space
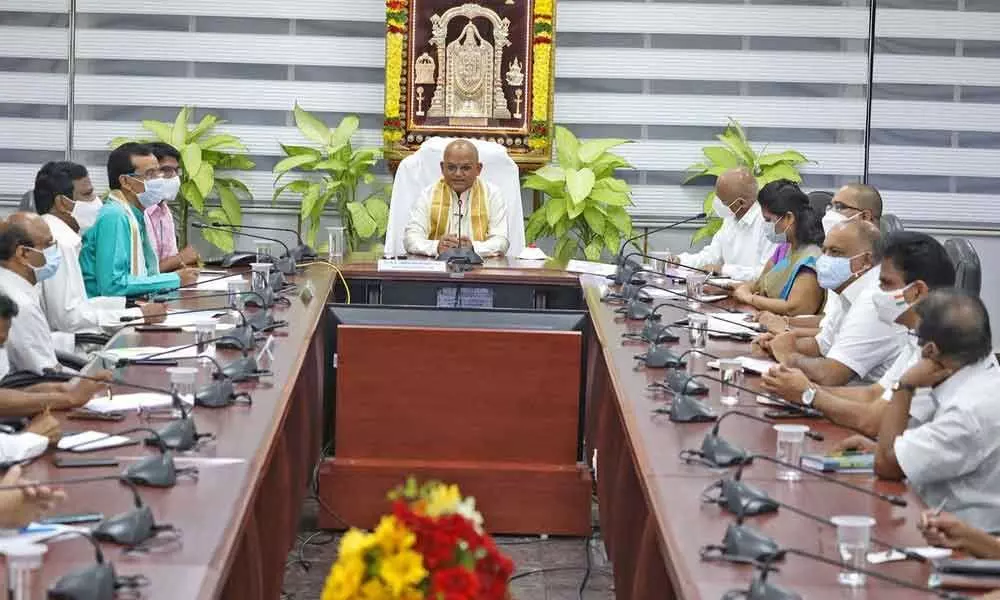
788, 284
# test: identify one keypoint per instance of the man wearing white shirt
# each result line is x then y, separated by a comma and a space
63, 296
853, 342
740, 249
912, 266
460, 210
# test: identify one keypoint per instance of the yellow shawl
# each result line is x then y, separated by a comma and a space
441, 209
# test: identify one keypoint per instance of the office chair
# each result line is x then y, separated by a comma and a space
819, 200
968, 270
890, 223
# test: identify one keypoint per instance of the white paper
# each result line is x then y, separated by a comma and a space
730, 326
724, 282
749, 363
220, 328
126, 402
36, 533
137, 352
593, 268
928, 552
530, 253
412, 266
190, 319
206, 283
90, 440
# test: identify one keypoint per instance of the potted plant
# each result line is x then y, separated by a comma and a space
333, 169
585, 205
736, 151
204, 153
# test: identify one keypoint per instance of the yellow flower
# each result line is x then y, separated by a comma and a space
373, 589
392, 536
355, 543
402, 570
443, 500
344, 579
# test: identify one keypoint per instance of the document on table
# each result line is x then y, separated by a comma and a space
190, 319
749, 363
129, 402
731, 325
37, 533
137, 352
216, 283
590, 267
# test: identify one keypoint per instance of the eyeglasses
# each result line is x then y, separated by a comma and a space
840, 206
147, 175
170, 172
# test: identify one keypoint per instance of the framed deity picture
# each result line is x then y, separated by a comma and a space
480, 70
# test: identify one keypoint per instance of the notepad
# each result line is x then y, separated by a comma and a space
138, 401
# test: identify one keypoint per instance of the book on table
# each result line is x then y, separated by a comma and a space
840, 463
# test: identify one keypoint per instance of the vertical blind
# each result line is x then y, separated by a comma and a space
666, 74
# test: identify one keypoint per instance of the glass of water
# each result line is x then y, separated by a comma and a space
336, 243
731, 373
237, 290
204, 336
791, 438
660, 262
854, 534
263, 249
260, 277
182, 380
695, 287
697, 330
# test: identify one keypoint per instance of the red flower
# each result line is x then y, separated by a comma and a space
456, 581
437, 548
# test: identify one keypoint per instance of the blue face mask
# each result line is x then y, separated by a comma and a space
774, 236
833, 271
53, 258
154, 191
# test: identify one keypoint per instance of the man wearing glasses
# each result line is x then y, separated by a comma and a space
853, 201
159, 219
118, 258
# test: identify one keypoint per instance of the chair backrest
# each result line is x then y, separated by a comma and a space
890, 223
968, 270
27, 201
422, 168
819, 200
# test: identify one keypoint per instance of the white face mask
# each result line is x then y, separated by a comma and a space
833, 218
85, 213
723, 211
891, 305
171, 187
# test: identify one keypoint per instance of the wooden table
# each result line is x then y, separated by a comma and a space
240, 517
652, 518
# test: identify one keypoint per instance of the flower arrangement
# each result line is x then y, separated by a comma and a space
431, 546
396, 15
541, 75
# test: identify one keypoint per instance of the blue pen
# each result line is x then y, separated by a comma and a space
38, 529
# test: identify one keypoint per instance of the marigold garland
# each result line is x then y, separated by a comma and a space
541, 76
396, 18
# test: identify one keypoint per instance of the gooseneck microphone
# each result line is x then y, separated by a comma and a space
718, 452
299, 252
285, 264
197, 283
239, 338
645, 234
655, 314
632, 295
460, 255
240, 369
892, 499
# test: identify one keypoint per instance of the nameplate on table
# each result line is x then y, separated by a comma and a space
412, 266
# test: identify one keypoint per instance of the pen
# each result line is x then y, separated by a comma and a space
940, 507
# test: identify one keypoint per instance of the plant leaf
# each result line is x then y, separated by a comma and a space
311, 127
193, 197
621, 220
574, 209
163, 131
232, 161
594, 218
179, 132
614, 184
591, 150
222, 141
607, 164
363, 223
330, 164
309, 197
708, 230
230, 204
205, 179
565, 248
551, 188
568, 148
788, 156
222, 240
535, 226
345, 130
299, 186
779, 171
555, 210
706, 204
191, 157
593, 250
287, 164
298, 150
551, 173
207, 122
721, 157
612, 235
610, 197
579, 183
379, 211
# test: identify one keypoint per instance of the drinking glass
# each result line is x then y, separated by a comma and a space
237, 293
790, 441
263, 249
182, 380
695, 288
260, 277
731, 373
24, 565
336, 241
204, 331
854, 534
697, 330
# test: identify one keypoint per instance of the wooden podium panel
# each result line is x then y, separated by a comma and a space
495, 411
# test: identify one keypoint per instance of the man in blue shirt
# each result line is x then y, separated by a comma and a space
117, 258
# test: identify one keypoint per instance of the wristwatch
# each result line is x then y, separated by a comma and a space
809, 396
899, 385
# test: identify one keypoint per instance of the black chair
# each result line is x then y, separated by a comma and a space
968, 270
890, 224
27, 201
819, 200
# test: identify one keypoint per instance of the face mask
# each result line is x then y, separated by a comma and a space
170, 188
153, 192
833, 271
4, 363
85, 213
774, 236
53, 258
726, 212
890, 305
833, 218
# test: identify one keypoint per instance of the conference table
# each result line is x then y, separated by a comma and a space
240, 516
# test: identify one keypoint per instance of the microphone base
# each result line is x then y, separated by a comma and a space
743, 499
721, 453
685, 409
745, 542
465, 256
302, 252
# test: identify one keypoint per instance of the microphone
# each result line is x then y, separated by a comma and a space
654, 333
659, 357
219, 393
890, 498
266, 298
284, 265
240, 369
298, 253
718, 452
244, 334
460, 255
197, 283
762, 589
655, 314
675, 265
98, 581
635, 300
154, 471
619, 276
180, 434
686, 384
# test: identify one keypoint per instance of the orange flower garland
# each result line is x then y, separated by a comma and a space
396, 16
541, 75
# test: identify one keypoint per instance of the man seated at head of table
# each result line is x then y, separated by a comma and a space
853, 343
117, 257
912, 266
854, 201
952, 458
788, 285
63, 296
741, 248
459, 210
34, 399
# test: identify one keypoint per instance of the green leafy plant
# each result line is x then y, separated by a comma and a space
204, 153
736, 151
585, 205
333, 169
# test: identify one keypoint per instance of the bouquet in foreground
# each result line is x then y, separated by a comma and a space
432, 546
